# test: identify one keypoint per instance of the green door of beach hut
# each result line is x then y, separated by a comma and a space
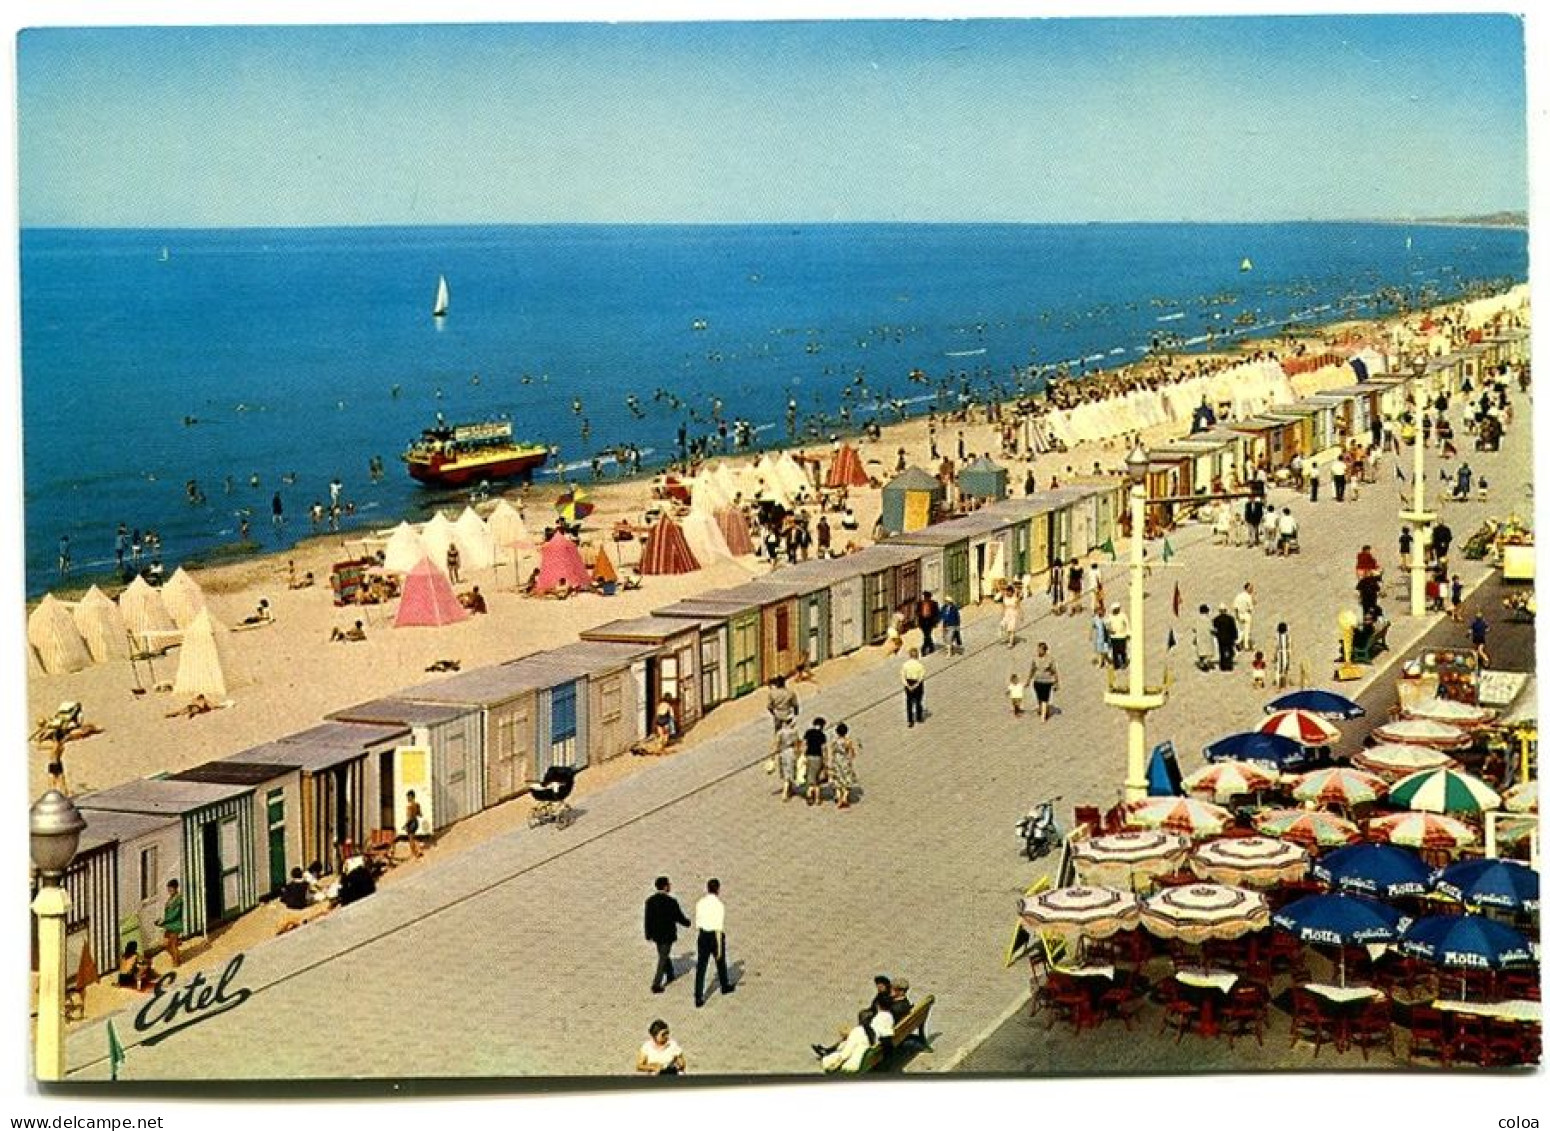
743, 633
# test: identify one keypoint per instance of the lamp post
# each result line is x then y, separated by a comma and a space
1418, 516
55, 826
1137, 701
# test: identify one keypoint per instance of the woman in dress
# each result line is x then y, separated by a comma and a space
1011, 609
1044, 677
788, 743
660, 1055
896, 632
842, 764
1074, 585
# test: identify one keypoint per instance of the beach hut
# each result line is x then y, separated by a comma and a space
202, 667
92, 920
734, 531
618, 709
274, 792
666, 551
214, 861
56, 642
474, 541
990, 552
503, 704
508, 533
118, 883
145, 613
183, 597
342, 800
890, 582
782, 599
101, 626
443, 762
672, 665
428, 600
715, 658
741, 666
944, 557
704, 538
404, 549
912, 500
846, 470
983, 478
560, 559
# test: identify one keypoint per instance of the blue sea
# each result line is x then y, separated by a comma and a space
293, 356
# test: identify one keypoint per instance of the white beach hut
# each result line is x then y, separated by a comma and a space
202, 660
52, 633
101, 625
143, 609
474, 540
403, 550
183, 597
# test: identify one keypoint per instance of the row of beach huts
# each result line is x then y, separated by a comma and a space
232, 828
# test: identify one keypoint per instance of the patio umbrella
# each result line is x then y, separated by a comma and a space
1197, 912
574, 506
1340, 920
1421, 830
1257, 860
1450, 711
1307, 826
1396, 759
1185, 815
1374, 869
1467, 942
1490, 883
1444, 791
1230, 779
1253, 746
1325, 704
1302, 727
1081, 912
1522, 798
1120, 857
1424, 732
1339, 785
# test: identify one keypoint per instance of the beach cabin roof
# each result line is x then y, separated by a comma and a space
913, 479
884, 555
167, 797
104, 826
708, 615
347, 736
402, 711
640, 630
324, 747
795, 582
231, 771
1256, 424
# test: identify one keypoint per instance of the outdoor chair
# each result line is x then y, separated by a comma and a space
1089, 815
1071, 1001
1470, 1039
1179, 1012
1510, 1044
1244, 1013
1124, 999
1309, 1020
1374, 1027
1521, 984
1428, 1036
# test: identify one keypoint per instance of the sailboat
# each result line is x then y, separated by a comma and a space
1246, 265
439, 309
165, 255
1407, 243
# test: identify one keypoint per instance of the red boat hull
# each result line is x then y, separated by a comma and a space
450, 474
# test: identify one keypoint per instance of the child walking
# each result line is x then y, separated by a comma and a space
1257, 669
1015, 690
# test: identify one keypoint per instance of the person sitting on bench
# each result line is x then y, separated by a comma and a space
848, 1055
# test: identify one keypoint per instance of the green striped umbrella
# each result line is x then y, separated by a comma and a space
1444, 791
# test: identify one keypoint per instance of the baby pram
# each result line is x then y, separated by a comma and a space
549, 797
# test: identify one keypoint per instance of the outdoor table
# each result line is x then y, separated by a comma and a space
1216, 982
1518, 1010
1346, 1000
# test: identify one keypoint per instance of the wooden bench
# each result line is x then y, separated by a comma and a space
912, 1024
1379, 643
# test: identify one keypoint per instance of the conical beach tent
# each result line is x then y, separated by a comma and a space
666, 550
428, 599
603, 571
183, 598
560, 558
705, 491
143, 609
793, 476
201, 660
52, 631
403, 550
734, 531
101, 625
436, 535
704, 536
474, 540
508, 532
846, 470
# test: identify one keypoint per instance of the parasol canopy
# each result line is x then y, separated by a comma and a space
1224, 780
1256, 860
1302, 727
1272, 750
1185, 815
1424, 732
1508, 884
1444, 791
1325, 704
1523, 797
1122, 857
1450, 711
1081, 911
1469, 942
1339, 785
1396, 759
1421, 830
1374, 869
1340, 920
1197, 912
1307, 826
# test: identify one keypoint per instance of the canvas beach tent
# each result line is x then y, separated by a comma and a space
52, 633
403, 550
473, 540
428, 599
603, 571
666, 550
846, 470
143, 609
438, 534
705, 539
202, 668
101, 625
183, 598
705, 491
560, 558
508, 532
793, 476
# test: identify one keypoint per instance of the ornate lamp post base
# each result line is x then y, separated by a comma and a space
1137, 707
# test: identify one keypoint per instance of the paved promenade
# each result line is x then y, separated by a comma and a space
524, 955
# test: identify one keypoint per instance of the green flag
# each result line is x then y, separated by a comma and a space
115, 1050
1108, 548
1167, 550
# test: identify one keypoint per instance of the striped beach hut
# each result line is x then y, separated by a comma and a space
275, 795
118, 882
739, 628
846, 470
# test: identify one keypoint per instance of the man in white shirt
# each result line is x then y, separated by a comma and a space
1286, 528
710, 920
1337, 475
849, 1053
1243, 612
1119, 637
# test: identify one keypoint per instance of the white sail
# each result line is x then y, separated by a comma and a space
1246, 265
440, 308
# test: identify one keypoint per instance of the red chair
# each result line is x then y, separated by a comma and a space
1428, 1036
1470, 1039
1089, 815
1511, 1044
1374, 1027
1309, 1020
1179, 1012
1244, 1012
1123, 999
1072, 1001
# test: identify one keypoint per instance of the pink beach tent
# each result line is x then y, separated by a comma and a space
667, 551
428, 598
561, 558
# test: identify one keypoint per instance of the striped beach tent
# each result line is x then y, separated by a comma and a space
202, 660
101, 625
428, 600
52, 632
143, 609
734, 531
846, 470
184, 599
666, 550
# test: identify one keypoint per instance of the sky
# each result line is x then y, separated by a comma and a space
1041, 120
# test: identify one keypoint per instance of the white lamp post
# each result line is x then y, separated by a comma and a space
1137, 700
1418, 516
55, 826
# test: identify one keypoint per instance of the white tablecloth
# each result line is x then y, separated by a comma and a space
1086, 971
1343, 993
1223, 980
1506, 1010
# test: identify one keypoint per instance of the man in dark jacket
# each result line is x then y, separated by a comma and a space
1225, 628
663, 918
926, 614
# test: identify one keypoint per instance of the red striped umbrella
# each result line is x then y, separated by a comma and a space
1450, 711
1178, 814
1231, 779
1302, 727
1339, 785
1307, 826
1396, 759
1421, 830
1424, 732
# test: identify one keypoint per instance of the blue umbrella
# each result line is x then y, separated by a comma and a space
1374, 869
1327, 704
1273, 750
1340, 920
1467, 942
1490, 883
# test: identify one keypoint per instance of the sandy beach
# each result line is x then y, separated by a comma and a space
285, 676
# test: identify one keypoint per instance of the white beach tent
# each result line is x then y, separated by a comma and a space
705, 492
52, 632
101, 625
726, 483
704, 536
143, 610
793, 479
474, 540
202, 660
508, 532
436, 535
403, 550
183, 598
